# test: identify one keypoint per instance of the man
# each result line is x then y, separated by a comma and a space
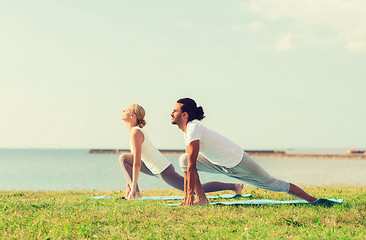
209, 151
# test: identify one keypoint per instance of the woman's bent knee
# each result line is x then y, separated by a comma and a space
122, 158
183, 162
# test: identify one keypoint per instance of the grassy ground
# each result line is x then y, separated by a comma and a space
71, 215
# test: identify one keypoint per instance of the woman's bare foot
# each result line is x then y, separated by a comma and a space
238, 188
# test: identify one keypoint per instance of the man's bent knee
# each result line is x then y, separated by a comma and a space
183, 162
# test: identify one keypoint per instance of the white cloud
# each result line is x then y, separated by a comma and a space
285, 43
237, 28
256, 26
356, 46
346, 18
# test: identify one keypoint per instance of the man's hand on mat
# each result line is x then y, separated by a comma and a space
184, 200
190, 200
201, 202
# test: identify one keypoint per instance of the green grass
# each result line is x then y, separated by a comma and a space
71, 215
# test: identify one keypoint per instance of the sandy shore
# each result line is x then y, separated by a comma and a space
264, 153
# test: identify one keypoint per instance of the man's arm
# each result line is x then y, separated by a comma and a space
191, 181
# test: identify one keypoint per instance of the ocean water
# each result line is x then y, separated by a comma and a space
75, 169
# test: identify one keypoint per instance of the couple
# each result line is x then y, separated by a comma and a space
206, 151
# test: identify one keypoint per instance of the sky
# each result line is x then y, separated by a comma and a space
269, 74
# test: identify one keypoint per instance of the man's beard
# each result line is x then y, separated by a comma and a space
175, 121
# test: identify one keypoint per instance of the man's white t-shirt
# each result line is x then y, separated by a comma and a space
216, 148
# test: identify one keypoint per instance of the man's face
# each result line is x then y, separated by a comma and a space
177, 115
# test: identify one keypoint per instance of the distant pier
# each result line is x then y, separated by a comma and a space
179, 151
120, 151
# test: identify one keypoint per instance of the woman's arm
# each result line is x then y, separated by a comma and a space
137, 138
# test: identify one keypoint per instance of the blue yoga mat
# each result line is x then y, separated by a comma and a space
320, 201
153, 198
102, 197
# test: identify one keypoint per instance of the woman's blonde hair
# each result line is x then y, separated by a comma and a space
140, 115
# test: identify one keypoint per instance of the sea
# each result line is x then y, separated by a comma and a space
76, 169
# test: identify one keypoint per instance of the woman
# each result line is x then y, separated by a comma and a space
146, 158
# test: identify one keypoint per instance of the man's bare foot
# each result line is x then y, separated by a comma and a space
299, 193
201, 202
238, 188
313, 199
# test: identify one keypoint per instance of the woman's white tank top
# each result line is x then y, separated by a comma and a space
153, 159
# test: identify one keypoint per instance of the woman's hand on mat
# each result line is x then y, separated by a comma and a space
133, 194
128, 190
130, 196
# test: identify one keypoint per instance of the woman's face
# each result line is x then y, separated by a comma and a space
127, 113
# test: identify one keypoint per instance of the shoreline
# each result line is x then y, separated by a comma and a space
252, 153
